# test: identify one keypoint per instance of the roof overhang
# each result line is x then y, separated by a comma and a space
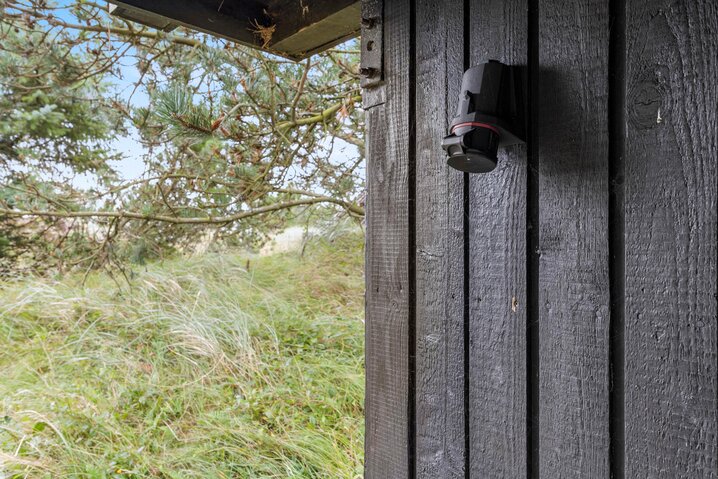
294, 29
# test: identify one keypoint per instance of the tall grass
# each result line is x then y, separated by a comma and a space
213, 367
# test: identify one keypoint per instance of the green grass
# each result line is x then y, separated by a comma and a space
205, 368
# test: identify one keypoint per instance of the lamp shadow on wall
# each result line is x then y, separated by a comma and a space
570, 134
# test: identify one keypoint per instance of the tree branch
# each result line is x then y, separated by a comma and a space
184, 221
154, 35
320, 118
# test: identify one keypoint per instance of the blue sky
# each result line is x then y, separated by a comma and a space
131, 166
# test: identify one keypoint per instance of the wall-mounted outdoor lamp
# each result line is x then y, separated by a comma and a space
490, 114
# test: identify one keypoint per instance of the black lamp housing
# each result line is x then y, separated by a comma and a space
490, 114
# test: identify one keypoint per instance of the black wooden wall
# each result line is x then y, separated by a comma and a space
555, 318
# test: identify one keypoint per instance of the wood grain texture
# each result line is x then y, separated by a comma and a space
670, 192
440, 431
388, 393
497, 281
207, 18
573, 269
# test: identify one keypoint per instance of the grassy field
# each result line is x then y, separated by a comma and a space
211, 367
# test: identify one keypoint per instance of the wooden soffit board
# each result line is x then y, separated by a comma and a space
294, 29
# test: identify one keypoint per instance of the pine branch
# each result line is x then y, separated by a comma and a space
153, 35
180, 220
320, 118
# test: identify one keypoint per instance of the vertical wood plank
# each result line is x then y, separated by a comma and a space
573, 238
670, 194
440, 435
498, 270
388, 313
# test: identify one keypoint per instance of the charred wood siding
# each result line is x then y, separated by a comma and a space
557, 317
389, 435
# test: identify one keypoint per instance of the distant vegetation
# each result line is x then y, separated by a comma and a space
219, 366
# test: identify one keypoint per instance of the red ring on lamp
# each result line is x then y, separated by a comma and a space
476, 124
